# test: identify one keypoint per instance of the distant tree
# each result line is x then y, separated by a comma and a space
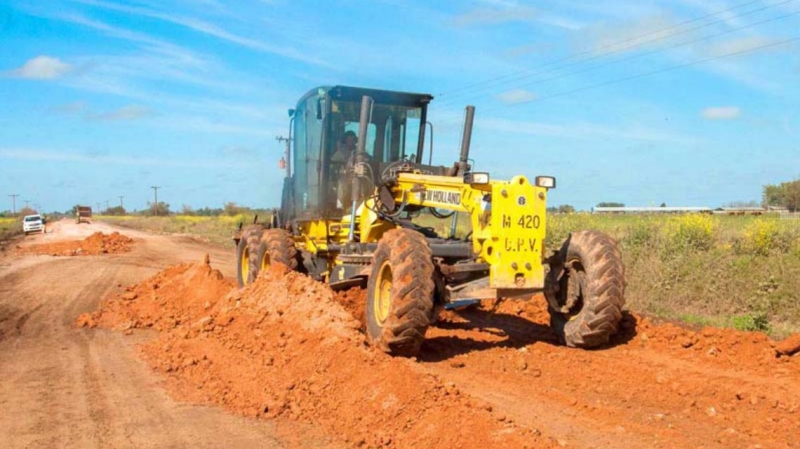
163, 209
187, 210
743, 204
232, 209
663, 204
610, 204
26, 211
565, 209
552, 209
785, 194
209, 212
116, 210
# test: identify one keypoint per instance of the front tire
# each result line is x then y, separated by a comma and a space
400, 293
587, 290
246, 251
276, 246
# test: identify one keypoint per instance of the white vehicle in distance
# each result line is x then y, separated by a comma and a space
33, 223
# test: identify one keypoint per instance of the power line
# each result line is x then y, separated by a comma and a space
494, 82
639, 55
654, 72
566, 58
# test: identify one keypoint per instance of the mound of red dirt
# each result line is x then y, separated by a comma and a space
97, 243
285, 347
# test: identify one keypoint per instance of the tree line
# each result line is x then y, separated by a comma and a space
785, 194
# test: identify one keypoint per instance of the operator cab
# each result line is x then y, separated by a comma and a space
325, 130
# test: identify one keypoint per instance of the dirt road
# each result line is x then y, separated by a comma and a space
487, 374
66, 387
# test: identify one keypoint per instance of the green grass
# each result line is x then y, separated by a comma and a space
733, 271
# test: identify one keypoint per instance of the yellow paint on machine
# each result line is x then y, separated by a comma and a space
518, 232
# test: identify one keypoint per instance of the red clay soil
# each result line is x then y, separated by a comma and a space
492, 376
97, 243
285, 348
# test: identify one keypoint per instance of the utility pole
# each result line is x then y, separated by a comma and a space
155, 191
98, 207
120, 202
106, 205
26, 203
14, 203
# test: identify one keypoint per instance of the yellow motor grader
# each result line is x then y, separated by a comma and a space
356, 209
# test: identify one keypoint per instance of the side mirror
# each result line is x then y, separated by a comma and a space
291, 112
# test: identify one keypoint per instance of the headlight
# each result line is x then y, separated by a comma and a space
548, 182
476, 178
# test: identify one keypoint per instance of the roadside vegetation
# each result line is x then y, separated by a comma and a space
730, 271
9, 227
216, 230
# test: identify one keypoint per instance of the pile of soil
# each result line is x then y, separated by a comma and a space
285, 348
97, 243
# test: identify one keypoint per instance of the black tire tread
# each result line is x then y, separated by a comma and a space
604, 297
250, 238
411, 307
281, 248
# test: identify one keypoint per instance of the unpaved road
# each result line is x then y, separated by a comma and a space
656, 386
67, 387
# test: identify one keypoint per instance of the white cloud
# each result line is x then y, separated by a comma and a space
582, 130
743, 44
212, 30
496, 15
74, 108
42, 68
643, 33
721, 113
516, 96
30, 154
129, 112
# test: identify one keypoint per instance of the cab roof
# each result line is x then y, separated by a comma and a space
350, 93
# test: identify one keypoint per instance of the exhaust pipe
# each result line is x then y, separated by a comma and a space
463, 165
361, 158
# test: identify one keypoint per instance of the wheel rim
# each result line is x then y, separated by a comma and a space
381, 300
245, 265
576, 286
264, 265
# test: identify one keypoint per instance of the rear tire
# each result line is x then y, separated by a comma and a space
276, 246
400, 293
246, 251
590, 292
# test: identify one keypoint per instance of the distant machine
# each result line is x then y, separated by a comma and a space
83, 214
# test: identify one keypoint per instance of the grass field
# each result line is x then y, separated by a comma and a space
730, 271
215, 230
9, 227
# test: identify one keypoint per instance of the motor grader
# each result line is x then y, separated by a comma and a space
360, 216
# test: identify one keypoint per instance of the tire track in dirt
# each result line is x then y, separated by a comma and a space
651, 389
64, 387
490, 372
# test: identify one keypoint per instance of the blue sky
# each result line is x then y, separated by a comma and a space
688, 102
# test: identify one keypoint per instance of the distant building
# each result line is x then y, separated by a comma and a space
651, 210
739, 210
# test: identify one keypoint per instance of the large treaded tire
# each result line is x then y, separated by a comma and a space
592, 264
404, 258
247, 248
276, 245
